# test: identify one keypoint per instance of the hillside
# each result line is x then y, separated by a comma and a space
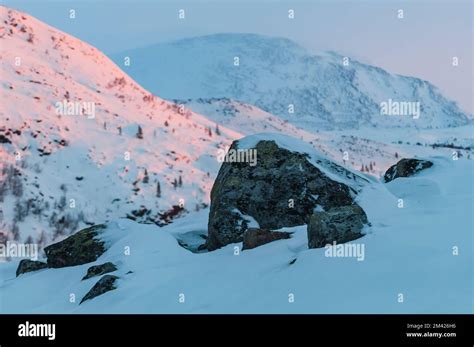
407, 250
274, 73
104, 153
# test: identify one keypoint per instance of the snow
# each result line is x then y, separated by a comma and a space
244, 118
275, 72
316, 158
251, 222
112, 165
408, 251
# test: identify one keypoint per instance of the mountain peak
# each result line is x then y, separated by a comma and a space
248, 39
319, 91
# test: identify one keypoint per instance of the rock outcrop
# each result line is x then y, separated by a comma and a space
255, 237
104, 285
98, 270
27, 265
406, 168
282, 189
339, 224
81, 248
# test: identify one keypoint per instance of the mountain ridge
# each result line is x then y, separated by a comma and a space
106, 165
274, 72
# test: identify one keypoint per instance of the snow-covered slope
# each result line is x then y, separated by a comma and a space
408, 251
274, 73
99, 163
243, 118
59, 171
369, 149
77, 159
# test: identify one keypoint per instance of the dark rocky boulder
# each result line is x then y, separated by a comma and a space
81, 248
262, 192
406, 168
339, 224
98, 270
27, 265
104, 285
4, 139
255, 237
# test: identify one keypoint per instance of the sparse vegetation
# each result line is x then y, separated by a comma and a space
140, 133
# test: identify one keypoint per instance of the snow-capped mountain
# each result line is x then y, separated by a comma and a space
314, 91
62, 167
82, 143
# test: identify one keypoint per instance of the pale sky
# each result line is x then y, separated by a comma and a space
422, 44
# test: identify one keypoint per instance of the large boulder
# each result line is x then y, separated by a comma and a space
406, 168
281, 189
255, 237
83, 247
339, 224
27, 265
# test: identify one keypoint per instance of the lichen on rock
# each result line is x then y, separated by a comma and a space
80, 248
283, 189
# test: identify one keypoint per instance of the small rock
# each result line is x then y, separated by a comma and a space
81, 248
406, 168
255, 237
98, 270
4, 139
340, 224
27, 265
104, 285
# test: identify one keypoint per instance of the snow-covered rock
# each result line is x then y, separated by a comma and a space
254, 237
406, 167
274, 181
337, 225
415, 251
83, 247
64, 156
27, 265
104, 285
